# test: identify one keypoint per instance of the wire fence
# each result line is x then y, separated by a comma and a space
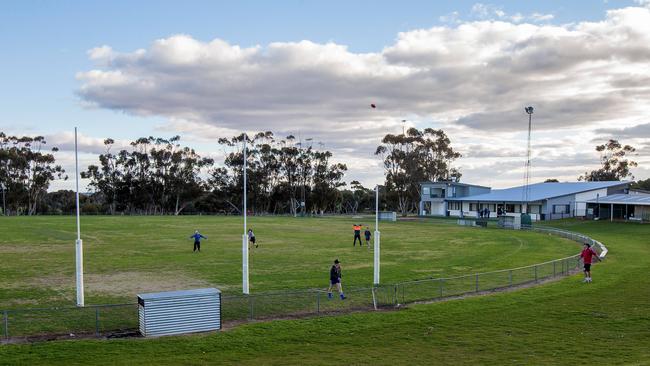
122, 319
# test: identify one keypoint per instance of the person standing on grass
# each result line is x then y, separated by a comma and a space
367, 234
587, 254
197, 240
251, 238
335, 279
357, 235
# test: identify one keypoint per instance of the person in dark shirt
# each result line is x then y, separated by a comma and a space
367, 234
251, 237
357, 234
197, 240
335, 279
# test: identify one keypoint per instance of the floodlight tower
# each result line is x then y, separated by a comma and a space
526, 192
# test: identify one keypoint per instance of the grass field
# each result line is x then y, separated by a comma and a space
128, 255
565, 322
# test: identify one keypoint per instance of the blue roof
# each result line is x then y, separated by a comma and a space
540, 191
624, 199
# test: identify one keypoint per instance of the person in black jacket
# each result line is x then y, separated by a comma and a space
367, 234
335, 279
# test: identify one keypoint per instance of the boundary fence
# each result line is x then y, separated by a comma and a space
122, 319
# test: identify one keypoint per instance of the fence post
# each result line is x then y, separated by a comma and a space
395, 294
97, 321
250, 304
6, 323
317, 302
477, 282
510, 277
535, 273
442, 282
554, 268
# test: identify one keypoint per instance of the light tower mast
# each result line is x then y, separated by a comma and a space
526, 192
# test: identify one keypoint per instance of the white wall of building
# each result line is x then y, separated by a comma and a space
582, 198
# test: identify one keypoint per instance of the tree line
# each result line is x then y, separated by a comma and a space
159, 176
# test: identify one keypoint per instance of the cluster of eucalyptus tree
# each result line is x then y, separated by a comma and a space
411, 158
26, 170
159, 176
153, 176
283, 176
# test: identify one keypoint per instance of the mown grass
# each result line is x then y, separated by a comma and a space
565, 322
124, 256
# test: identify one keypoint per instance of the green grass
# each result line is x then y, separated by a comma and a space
128, 255
565, 322
561, 323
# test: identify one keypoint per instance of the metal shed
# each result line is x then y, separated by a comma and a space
178, 312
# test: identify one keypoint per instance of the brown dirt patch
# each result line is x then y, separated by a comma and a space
132, 283
30, 248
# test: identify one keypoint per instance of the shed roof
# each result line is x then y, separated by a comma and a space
624, 199
183, 293
540, 191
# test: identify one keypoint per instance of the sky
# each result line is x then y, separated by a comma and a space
210, 69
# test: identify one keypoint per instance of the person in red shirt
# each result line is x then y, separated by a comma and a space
587, 255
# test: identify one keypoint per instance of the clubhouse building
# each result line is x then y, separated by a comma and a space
543, 201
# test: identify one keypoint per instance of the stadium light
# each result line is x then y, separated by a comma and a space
245, 287
78, 244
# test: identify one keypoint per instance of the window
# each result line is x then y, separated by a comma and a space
535, 209
561, 209
425, 191
510, 208
455, 206
472, 206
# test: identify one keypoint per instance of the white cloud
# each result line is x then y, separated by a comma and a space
452, 17
492, 12
473, 79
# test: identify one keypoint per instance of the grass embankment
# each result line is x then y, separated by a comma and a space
566, 322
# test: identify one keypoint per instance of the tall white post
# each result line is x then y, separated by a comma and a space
79, 244
245, 288
377, 238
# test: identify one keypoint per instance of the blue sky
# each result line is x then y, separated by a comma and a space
46, 43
